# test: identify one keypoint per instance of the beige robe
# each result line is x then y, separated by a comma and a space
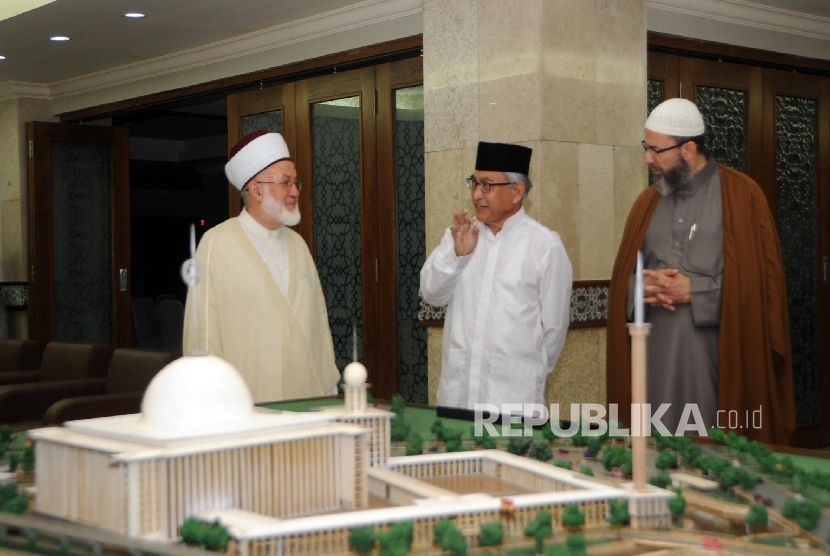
280, 344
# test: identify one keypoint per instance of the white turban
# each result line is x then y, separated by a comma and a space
254, 153
677, 117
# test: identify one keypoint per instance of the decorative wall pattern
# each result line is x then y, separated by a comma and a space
589, 306
269, 121
82, 241
795, 169
337, 233
724, 113
15, 294
413, 382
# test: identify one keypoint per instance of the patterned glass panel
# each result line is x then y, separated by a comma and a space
83, 271
654, 94
795, 174
269, 121
724, 113
335, 131
409, 185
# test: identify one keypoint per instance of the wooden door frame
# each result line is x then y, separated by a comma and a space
807, 86
41, 135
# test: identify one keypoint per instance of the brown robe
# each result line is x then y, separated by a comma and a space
754, 359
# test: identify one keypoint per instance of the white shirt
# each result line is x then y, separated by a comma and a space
508, 309
270, 244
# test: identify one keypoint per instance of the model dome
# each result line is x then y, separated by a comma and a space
354, 374
196, 390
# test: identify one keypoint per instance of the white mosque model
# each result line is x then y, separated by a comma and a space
286, 483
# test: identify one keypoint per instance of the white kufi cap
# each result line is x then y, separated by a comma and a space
254, 153
677, 117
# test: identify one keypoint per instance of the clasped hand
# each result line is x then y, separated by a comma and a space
464, 233
666, 288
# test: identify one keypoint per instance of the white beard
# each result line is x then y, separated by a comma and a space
276, 210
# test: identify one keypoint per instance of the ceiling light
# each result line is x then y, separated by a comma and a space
59, 38
2, 57
134, 15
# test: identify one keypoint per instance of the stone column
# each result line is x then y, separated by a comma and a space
568, 79
14, 113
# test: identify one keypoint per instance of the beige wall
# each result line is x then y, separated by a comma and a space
14, 113
568, 80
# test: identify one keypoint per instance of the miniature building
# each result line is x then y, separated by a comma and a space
143, 475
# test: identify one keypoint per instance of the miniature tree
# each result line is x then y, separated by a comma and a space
661, 480
564, 464
756, 516
805, 513
595, 445
665, 460
491, 534
398, 429
192, 532
216, 537
586, 470
540, 528
11, 501
618, 515
396, 541
547, 432
485, 439
452, 440
717, 436
576, 544
578, 439
440, 529
541, 451
414, 444
615, 456
14, 461
5, 433
362, 539
677, 505
746, 479
437, 428
28, 459
397, 406
4, 446
691, 452
573, 517
453, 541
518, 445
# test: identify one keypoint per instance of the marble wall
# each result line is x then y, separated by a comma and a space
567, 79
14, 113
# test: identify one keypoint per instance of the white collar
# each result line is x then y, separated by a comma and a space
249, 223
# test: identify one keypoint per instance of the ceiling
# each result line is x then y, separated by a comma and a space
102, 39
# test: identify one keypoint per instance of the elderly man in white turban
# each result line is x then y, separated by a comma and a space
261, 306
714, 288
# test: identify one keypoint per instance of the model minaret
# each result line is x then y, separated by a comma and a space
354, 379
638, 331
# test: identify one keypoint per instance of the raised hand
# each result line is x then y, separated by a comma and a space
464, 233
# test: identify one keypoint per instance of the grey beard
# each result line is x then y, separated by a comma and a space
674, 179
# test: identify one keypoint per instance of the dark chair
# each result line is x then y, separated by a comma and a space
130, 371
171, 322
63, 361
66, 370
144, 323
20, 355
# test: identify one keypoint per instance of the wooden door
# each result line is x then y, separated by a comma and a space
795, 173
79, 234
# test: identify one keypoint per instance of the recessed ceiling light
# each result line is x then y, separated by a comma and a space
2, 57
59, 38
134, 15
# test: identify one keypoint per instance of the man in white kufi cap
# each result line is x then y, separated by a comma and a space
714, 291
261, 306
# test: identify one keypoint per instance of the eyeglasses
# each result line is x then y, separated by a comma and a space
483, 185
655, 150
286, 184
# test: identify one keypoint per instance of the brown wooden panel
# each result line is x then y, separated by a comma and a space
41, 227
289, 72
665, 68
777, 83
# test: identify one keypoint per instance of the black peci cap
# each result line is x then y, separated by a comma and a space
503, 157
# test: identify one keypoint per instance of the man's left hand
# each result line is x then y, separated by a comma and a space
675, 287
